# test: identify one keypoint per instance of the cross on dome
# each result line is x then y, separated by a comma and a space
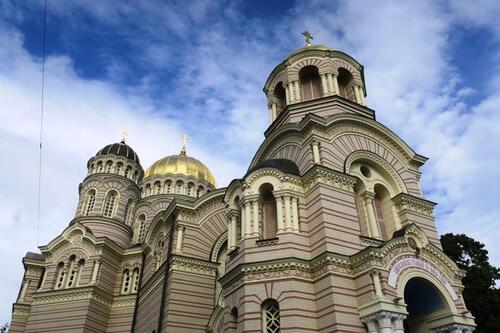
308, 37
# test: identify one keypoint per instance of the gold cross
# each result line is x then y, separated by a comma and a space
124, 136
185, 139
308, 36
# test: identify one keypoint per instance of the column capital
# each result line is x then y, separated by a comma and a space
368, 196
384, 320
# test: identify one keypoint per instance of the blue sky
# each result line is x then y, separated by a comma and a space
159, 69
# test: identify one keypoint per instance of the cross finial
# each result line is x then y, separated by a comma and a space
124, 136
308, 37
185, 139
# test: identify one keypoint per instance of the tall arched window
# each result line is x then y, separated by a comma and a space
179, 187
158, 254
109, 166
126, 282
61, 275
141, 227
190, 189
135, 280
279, 94
157, 188
128, 172
268, 206
119, 167
168, 186
270, 316
382, 205
310, 82
110, 203
199, 191
72, 272
345, 80
128, 211
147, 190
89, 202
99, 166
233, 321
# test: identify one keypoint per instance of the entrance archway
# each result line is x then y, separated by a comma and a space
424, 302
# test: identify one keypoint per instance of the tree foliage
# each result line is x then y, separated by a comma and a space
4, 328
480, 293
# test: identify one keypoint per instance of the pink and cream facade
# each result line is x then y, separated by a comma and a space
328, 231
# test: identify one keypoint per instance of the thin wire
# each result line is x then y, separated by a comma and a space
41, 125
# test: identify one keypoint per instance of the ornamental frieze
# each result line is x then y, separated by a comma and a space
405, 201
75, 294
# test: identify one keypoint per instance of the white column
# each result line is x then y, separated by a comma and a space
248, 218
336, 89
243, 222
324, 84
370, 212
279, 213
234, 221
330, 84
315, 148
95, 272
256, 217
288, 217
270, 115
385, 322
274, 114
376, 284
180, 236
398, 320
362, 95
295, 214
24, 289
356, 94
297, 91
287, 95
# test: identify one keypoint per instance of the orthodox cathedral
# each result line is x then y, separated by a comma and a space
327, 231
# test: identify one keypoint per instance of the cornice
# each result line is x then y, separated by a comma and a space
404, 201
324, 175
20, 309
73, 294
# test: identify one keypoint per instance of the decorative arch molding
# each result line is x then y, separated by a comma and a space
370, 156
217, 246
216, 320
75, 238
278, 179
404, 269
159, 224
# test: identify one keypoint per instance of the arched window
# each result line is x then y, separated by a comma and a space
72, 272
128, 172
190, 189
89, 202
383, 206
268, 212
135, 280
136, 175
157, 188
99, 166
270, 316
199, 191
179, 187
61, 275
110, 203
126, 282
167, 188
91, 169
119, 167
279, 94
128, 211
345, 81
141, 228
158, 254
310, 82
233, 321
109, 166
147, 190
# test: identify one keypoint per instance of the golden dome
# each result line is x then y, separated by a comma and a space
183, 165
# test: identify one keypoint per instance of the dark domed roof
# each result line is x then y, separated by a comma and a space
282, 164
119, 149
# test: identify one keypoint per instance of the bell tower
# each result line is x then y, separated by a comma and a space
311, 80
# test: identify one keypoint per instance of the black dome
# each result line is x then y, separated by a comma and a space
282, 164
119, 149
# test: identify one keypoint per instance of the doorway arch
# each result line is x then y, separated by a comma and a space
424, 303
